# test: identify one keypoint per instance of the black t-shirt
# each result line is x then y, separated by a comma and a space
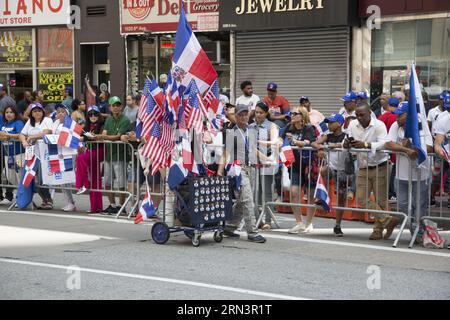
332, 138
306, 133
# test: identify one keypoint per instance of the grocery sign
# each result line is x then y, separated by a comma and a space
20, 13
161, 16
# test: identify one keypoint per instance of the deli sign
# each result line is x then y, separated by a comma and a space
161, 16
21, 13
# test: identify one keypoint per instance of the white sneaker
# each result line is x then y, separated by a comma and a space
309, 228
82, 190
299, 227
5, 202
69, 208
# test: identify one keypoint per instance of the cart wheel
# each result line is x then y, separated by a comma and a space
218, 236
196, 240
160, 233
189, 233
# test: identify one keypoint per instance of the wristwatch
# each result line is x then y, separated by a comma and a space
366, 145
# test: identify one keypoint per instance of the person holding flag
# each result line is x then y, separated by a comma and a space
36, 128
398, 142
238, 150
442, 131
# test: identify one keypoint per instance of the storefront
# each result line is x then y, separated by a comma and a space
409, 31
303, 46
149, 28
36, 48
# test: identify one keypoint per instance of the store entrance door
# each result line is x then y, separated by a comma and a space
101, 76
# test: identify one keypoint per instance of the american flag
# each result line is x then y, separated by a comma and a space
194, 104
212, 96
153, 150
154, 115
167, 143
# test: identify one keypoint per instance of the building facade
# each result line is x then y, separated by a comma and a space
36, 47
303, 46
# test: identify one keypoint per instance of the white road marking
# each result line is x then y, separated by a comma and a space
161, 279
11, 237
357, 245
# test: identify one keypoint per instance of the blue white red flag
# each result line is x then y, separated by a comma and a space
287, 155
321, 195
146, 211
172, 98
31, 167
212, 97
321, 129
157, 94
177, 173
234, 170
153, 150
70, 134
59, 162
190, 61
143, 116
416, 106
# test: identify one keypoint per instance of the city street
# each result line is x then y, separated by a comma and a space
118, 260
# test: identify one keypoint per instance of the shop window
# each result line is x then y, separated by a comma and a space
55, 48
16, 49
52, 84
397, 44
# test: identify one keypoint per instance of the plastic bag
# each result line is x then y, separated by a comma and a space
431, 238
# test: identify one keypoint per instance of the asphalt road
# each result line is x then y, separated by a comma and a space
76, 256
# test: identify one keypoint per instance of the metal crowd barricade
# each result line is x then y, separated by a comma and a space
306, 180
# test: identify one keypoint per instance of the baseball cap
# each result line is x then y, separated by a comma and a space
303, 99
263, 106
402, 108
336, 117
447, 101
241, 108
69, 90
114, 100
441, 96
93, 108
272, 86
394, 102
362, 95
350, 96
2, 87
36, 105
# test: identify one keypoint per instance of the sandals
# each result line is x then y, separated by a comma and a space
46, 206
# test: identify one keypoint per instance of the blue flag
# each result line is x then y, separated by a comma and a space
412, 124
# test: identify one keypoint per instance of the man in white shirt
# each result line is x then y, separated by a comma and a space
373, 170
434, 113
248, 98
420, 174
441, 142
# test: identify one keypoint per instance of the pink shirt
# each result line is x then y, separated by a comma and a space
315, 117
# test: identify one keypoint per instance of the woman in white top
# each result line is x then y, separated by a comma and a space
61, 113
35, 128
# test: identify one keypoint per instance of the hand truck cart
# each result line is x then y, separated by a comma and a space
202, 204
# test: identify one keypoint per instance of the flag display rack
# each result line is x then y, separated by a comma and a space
202, 204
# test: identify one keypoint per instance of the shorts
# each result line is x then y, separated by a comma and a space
114, 171
340, 180
301, 178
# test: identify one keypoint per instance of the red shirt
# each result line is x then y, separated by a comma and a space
279, 104
389, 118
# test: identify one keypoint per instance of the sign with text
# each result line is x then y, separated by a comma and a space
161, 16
21, 13
240, 15
15, 49
52, 84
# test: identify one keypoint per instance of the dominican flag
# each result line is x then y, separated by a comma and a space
157, 94
31, 167
321, 129
190, 61
234, 170
172, 98
58, 161
177, 173
321, 195
416, 106
70, 134
287, 155
146, 211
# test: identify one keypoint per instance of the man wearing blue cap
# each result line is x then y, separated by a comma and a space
362, 97
420, 175
278, 105
5, 100
442, 134
348, 110
68, 97
336, 162
434, 113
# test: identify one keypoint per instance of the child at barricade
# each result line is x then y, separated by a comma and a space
88, 175
61, 113
13, 151
336, 162
36, 127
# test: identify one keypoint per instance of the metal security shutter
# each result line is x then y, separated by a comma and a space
313, 62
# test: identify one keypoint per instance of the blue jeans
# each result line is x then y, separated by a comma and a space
402, 200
